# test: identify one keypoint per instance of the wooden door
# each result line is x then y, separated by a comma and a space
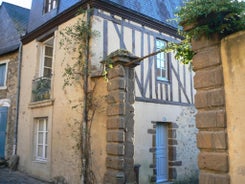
162, 152
3, 125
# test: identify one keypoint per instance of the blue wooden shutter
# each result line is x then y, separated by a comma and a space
3, 125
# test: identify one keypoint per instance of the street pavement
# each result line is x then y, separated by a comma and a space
16, 177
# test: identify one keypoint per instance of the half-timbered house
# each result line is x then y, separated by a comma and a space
164, 147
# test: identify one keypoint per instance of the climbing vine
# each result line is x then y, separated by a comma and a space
75, 39
206, 18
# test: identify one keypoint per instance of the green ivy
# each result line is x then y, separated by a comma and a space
206, 18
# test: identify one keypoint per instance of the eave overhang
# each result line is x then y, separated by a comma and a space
112, 8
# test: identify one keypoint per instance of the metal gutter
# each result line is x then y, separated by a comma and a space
17, 100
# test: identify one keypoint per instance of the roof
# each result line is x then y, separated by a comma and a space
13, 22
160, 10
19, 15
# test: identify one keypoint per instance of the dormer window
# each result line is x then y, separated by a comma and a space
49, 5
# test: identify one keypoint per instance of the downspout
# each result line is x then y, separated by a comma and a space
85, 153
17, 100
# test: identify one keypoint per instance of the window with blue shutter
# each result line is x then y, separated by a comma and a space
2, 74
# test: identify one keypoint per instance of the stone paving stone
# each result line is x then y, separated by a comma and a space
16, 177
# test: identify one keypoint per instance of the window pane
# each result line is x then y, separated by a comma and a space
48, 51
46, 138
46, 151
54, 4
48, 62
46, 124
41, 125
40, 151
47, 72
2, 74
164, 73
161, 61
40, 138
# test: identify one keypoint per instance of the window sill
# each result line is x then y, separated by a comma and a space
3, 87
40, 161
43, 103
165, 81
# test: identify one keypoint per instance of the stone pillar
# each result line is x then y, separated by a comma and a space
120, 119
211, 116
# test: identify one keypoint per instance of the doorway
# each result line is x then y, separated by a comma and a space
3, 126
161, 152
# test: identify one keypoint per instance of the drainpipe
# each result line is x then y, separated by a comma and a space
85, 153
17, 99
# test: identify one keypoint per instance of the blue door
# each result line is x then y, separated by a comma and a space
3, 125
162, 152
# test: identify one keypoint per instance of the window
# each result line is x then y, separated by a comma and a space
41, 86
161, 62
47, 58
41, 139
3, 74
49, 5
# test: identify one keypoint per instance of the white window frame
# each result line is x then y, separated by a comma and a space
43, 144
6, 74
162, 62
49, 5
42, 63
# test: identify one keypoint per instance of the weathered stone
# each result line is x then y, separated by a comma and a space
116, 122
213, 161
114, 176
211, 178
208, 57
208, 78
129, 150
212, 140
116, 84
172, 133
116, 71
172, 154
116, 109
172, 142
175, 163
116, 97
203, 42
211, 119
116, 136
216, 97
120, 123
115, 162
172, 173
210, 98
173, 125
9, 95
115, 149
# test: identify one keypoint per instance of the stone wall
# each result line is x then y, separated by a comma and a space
9, 95
211, 116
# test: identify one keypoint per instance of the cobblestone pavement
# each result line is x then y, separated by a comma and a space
16, 177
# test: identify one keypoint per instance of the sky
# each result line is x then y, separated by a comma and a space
22, 3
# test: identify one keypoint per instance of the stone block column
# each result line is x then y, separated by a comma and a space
211, 116
120, 119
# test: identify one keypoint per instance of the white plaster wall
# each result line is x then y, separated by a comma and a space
187, 151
